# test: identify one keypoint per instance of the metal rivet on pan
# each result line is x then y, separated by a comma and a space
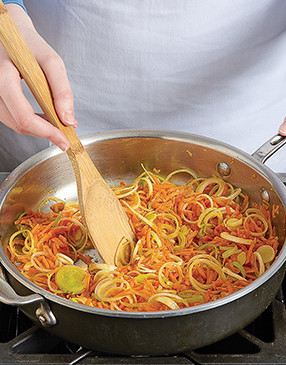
276, 139
265, 195
42, 319
223, 169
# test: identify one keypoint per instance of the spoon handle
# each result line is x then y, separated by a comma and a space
27, 65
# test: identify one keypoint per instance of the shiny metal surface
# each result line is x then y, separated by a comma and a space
269, 148
9, 296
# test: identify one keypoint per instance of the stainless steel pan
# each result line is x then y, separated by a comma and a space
118, 155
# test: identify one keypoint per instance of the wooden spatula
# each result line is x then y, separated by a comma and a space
102, 212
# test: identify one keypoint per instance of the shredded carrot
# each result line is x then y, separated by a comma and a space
190, 241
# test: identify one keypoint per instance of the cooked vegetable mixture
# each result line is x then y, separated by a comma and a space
197, 242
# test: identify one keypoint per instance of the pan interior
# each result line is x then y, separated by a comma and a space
117, 159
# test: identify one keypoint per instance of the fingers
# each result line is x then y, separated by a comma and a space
282, 128
17, 113
55, 72
15, 110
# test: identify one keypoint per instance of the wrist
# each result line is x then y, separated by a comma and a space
20, 16
17, 2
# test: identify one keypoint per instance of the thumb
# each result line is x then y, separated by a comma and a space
282, 128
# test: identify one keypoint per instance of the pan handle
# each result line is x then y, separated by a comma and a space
9, 296
269, 148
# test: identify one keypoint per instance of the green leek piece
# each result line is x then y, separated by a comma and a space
229, 252
241, 258
195, 298
210, 245
201, 231
141, 277
267, 253
59, 217
70, 278
240, 267
192, 298
151, 216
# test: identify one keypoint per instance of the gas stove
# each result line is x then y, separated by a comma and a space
261, 342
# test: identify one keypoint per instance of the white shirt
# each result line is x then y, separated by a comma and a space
214, 68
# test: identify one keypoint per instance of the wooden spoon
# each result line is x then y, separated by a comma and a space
101, 211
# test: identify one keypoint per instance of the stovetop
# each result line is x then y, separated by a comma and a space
261, 342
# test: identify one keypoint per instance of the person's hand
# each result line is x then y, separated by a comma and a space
15, 110
282, 128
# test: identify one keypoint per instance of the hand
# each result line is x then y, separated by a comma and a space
15, 110
282, 128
